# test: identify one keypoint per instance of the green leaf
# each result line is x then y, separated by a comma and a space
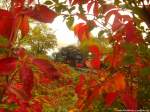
70, 21
48, 2
100, 33
81, 9
130, 48
145, 71
59, 7
117, 2
56, 1
3, 40
129, 59
11, 106
71, 9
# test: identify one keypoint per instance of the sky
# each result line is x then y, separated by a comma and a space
64, 36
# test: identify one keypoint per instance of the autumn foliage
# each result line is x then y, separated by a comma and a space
112, 75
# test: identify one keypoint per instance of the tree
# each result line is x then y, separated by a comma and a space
40, 39
70, 55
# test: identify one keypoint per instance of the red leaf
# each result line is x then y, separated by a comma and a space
107, 7
96, 9
75, 2
26, 76
17, 92
79, 65
18, 2
94, 49
42, 13
7, 65
95, 63
21, 52
24, 26
79, 89
131, 33
129, 101
17, 6
110, 98
2, 110
116, 58
23, 107
92, 95
89, 6
36, 106
46, 67
45, 80
79, 2
116, 24
6, 23
70, 1
30, 1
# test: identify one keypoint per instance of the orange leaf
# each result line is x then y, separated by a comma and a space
119, 81
24, 25
81, 30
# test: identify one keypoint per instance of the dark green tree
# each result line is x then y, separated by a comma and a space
70, 55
